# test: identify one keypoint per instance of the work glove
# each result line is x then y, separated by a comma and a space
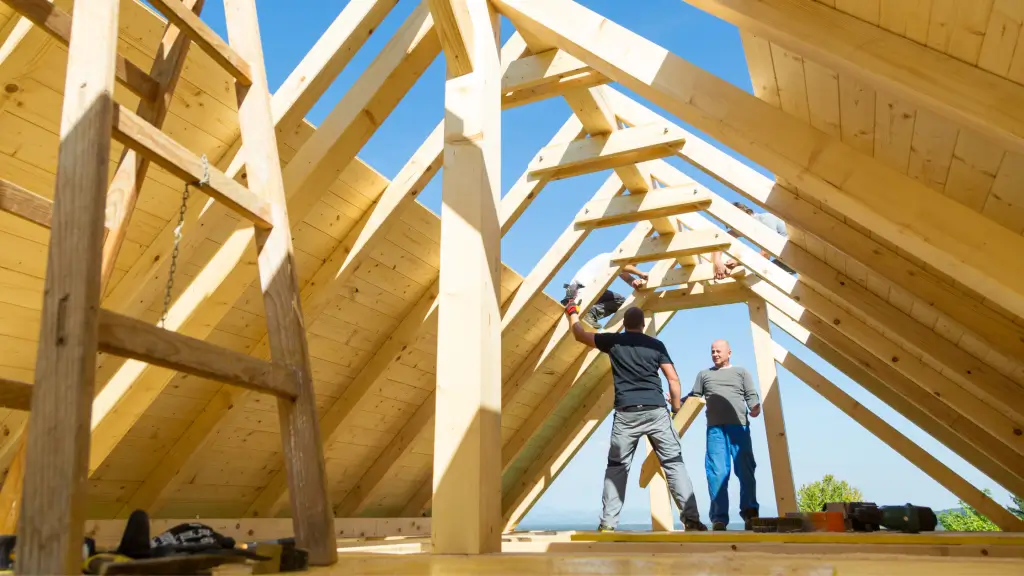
571, 309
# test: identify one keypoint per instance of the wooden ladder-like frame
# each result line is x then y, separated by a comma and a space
83, 248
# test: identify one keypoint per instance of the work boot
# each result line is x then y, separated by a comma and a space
603, 528
695, 525
748, 516
719, 526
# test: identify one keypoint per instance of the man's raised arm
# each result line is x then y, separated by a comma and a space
675, 391
578, 331
633, 276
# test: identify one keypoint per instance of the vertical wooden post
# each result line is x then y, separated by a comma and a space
467, 439
312, 517
662, 518
52, 526
771, 407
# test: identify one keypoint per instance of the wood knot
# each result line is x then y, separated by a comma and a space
11, 88
895, 358
1017, 432
836, 321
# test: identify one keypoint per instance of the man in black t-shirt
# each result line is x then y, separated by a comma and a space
639, 411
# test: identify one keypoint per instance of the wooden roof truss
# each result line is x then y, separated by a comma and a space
446, 384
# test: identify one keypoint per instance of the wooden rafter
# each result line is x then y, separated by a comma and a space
24, 204
676, 246
660, 203
597, 153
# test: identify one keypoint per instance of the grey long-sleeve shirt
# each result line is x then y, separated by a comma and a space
729, 393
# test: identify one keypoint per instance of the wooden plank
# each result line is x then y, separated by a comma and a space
659, 203
132, 168
234, 63
688, 299
455, 28
561, 87
629, 146
15, 395
943, 84
901, 444
1001, 37
939, 231
997, 330
24, 204
300, 436
692, 406
131, 338
467, 506
539, 70
771, 407
157, 147
687, 274
762, 68
963, 437
57, 23
50, 529
675, 246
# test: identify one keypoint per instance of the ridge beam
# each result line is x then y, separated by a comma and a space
658, 203
617, 149
679, 245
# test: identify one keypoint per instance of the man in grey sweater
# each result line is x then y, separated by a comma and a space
730, 392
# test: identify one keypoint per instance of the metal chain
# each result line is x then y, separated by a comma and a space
177, 238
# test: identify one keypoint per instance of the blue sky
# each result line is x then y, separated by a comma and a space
822, 440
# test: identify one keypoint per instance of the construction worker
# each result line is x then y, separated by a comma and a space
723, 269
730, 393
589, 277
639, 411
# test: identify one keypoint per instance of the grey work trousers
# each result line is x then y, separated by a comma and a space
627, 428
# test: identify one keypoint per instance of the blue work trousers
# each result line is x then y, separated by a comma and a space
729, 446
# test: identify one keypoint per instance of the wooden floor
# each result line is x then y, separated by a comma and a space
676, 564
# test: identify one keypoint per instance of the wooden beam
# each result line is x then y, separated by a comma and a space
15, 395
204, 37
132, 338
161, 149
455, 27
901, 444
622, 147
57, 23
540, 69
698, 296
24, 204
50, 529
520, 497
123, 192
561, 87
675, 246
659, 203
950, 236
286, 331
842, 42
963, 437
1000, 332
467, 482
771, 407
687, 274
688, 412
228, 274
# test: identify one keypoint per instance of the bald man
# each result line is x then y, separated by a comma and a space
730, 392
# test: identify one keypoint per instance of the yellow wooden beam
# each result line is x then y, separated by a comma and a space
467, 483
688, 412
675, 246
950, 87
698, 296
687, 274
539, 70
658, 203
595, 154
935, 228
455, 28
24, 204
901, 444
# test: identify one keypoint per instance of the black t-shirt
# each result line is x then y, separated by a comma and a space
636, 359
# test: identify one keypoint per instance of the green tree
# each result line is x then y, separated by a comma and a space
967, 519
1019, 510
813, 497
